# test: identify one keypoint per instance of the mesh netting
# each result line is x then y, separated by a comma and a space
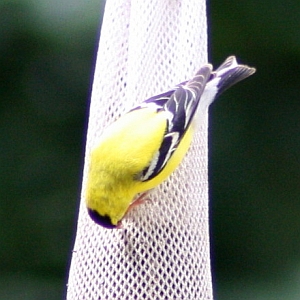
162, 252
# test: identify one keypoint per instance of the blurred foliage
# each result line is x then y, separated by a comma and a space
44, 85
254, 147
46, 62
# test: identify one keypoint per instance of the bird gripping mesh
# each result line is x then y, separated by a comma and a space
162, 252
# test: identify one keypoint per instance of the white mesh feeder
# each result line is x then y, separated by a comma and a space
162, 252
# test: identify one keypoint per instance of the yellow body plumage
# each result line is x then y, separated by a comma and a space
143, 147
122, 153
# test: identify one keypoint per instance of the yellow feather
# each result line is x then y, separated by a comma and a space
125, 149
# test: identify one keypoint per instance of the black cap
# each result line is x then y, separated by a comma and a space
104, 221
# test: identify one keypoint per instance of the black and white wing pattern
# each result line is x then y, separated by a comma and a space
180, 104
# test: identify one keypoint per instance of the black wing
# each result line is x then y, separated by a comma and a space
181, 104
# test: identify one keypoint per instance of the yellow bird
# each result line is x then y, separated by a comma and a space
143, 147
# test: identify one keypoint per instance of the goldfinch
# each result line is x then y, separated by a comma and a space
143, 147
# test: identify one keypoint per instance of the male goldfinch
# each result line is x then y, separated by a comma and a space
143, 147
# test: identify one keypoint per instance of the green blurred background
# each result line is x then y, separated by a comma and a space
47, 53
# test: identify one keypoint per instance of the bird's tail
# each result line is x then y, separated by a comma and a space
230, 73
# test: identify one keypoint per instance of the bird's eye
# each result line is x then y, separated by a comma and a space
101, 220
